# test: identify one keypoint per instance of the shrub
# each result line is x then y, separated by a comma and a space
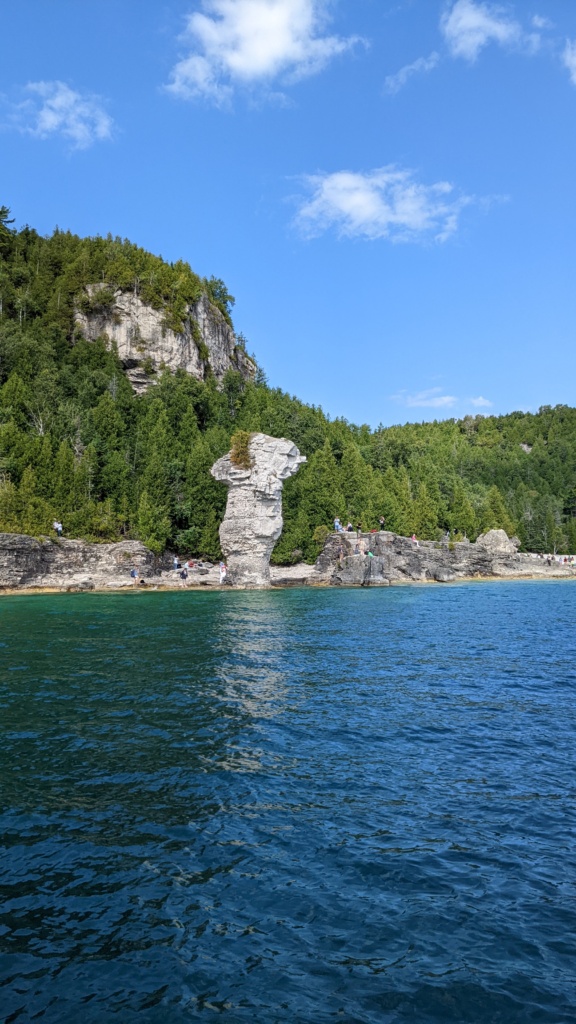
240, 451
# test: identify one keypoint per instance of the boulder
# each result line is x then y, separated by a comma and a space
497, 542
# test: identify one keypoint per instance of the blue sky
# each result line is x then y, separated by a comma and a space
386, 186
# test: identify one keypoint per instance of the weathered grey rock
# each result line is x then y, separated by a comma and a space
142, 338
376, 559
253, 519
29, 562
497, 542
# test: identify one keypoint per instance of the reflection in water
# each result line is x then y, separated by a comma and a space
289, 806
254, 673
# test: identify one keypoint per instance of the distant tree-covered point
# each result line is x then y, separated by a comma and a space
77, 445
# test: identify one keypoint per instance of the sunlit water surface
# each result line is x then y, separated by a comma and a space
300, 806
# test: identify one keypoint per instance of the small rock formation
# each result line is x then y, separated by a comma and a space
497, 542
379, 559
253, 520
145, 344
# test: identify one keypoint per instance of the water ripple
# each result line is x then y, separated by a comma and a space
323, 806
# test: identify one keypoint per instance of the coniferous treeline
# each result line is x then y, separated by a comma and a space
76, 444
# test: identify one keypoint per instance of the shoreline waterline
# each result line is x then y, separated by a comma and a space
210, 588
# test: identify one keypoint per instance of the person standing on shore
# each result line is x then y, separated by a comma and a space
134, 575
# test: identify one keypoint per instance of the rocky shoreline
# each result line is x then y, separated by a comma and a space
384, 559
29, 564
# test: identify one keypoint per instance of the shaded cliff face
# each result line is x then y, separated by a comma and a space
146, 345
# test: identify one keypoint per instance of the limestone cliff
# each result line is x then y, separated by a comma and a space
146, 344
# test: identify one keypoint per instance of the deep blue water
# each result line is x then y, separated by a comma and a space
304, 806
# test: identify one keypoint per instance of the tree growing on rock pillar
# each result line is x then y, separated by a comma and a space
254, 471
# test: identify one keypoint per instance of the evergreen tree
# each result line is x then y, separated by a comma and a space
209, 543
495, 515
356, 485
462, 516
321, 498
425, 514
153, 524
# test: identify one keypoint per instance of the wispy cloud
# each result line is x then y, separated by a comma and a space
432, 398
480, 402
393, 83
252, 42
383, 203
53, 108
542, 23
469, 26
569, 59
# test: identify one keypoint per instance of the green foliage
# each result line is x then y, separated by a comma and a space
76, 444
320, 535
153, 524
219, 296
240, 449
203, 350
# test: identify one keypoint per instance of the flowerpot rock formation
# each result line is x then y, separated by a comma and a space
253, 519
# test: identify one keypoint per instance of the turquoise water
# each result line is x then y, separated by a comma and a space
302, 806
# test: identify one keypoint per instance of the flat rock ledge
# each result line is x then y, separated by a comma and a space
371, 559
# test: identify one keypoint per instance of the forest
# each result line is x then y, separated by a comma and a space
77, 445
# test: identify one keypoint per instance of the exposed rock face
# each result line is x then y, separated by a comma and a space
497, 542
28, 562
253, 520
378, 559
141, 337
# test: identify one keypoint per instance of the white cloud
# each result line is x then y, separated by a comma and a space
432, 398
247, 42
541, 23
469, 26
480, 402
569, 59
384, 203
394, 83
53, 108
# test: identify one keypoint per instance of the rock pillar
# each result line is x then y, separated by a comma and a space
253, 519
